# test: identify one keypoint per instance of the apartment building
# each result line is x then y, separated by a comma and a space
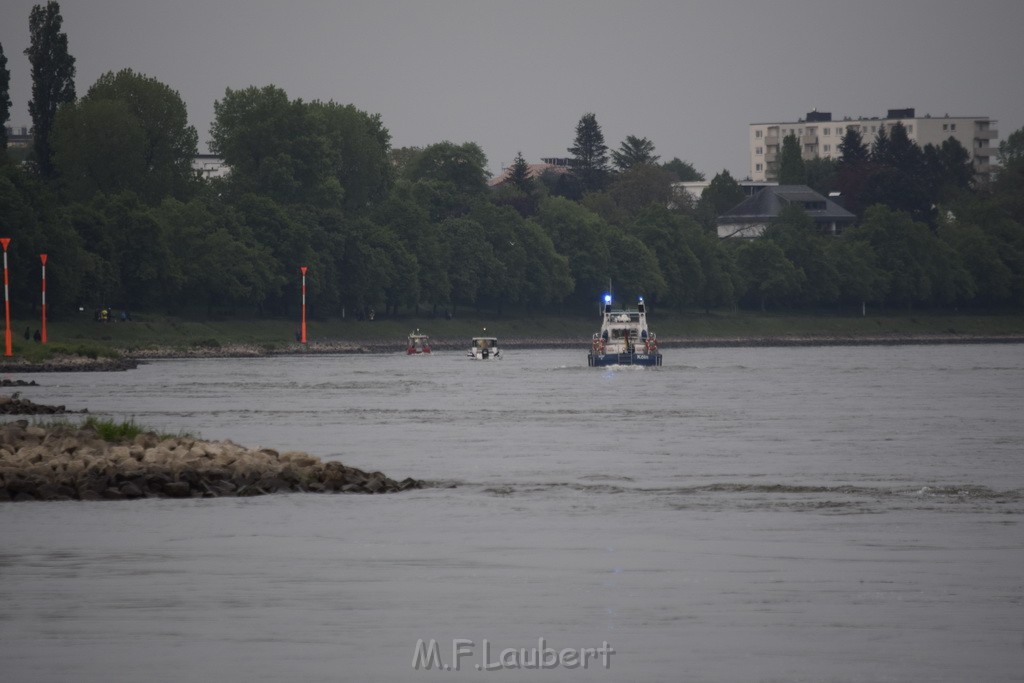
820, 136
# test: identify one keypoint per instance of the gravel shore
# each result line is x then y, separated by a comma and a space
132, 358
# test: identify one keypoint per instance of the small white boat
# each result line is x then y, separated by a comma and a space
484, 348
418, 343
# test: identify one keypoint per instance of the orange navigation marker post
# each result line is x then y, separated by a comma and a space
42, 257
303, 337
7, 302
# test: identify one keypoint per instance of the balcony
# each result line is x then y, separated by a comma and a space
771, 157
986, 134
771, 139
809, 140
987, 151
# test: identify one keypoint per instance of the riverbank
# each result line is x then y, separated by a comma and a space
132, 357
69, 462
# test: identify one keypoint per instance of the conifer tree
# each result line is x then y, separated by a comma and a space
5, 98
853, 150
519, 174
53, 77
791, 164
590, 154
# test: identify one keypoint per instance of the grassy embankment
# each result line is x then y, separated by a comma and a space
89, 338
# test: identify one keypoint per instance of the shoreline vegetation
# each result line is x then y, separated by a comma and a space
79, 345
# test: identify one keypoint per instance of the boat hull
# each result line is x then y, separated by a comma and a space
606, 359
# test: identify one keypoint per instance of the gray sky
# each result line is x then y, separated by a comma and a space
517, 76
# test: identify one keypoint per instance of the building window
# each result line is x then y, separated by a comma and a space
952, 126
828, 131
828, 148
759, 150
945, 126
758, 167
757, 133
910, 128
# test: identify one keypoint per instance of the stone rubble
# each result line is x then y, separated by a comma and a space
69, 462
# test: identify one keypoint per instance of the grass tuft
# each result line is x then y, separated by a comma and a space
109, 430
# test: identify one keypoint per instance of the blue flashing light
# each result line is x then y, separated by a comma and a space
607, 298
641, 299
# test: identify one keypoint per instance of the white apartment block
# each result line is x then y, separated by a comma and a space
820, 136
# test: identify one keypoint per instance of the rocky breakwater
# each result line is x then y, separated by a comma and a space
72, 463
15, 405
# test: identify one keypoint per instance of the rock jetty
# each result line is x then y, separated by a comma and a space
14, 405
69, 462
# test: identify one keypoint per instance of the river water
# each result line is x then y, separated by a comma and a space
762, 514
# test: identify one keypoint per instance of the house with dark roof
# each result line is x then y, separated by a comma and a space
751, 217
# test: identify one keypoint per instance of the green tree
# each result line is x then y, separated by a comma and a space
982, 261
720, 279
411, 224
5, 103
471, 264
1012, 148
898, 179
449, 179
791, 163
948, 169
520, 190
853, 171
684, 170
38, 225
632, 152
89, 157
768, 274
880, 148
640, 186
666, 235
171, 143
583, 237
128, 132
321, 154
634, 267
400, 157
921, 269
721, 194
590, 154
519, 174
464, 166
548, 278
822, 175
852, 149
900, 152
859, 277
122, 231
795, 233
218, 262
283, 232
53, 77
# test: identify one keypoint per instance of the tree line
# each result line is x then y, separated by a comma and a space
109, 194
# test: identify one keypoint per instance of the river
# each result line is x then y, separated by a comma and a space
740, 514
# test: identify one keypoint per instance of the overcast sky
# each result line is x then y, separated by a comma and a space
518, 75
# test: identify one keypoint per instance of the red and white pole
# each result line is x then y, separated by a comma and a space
7, 302
303, 337
42, 257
